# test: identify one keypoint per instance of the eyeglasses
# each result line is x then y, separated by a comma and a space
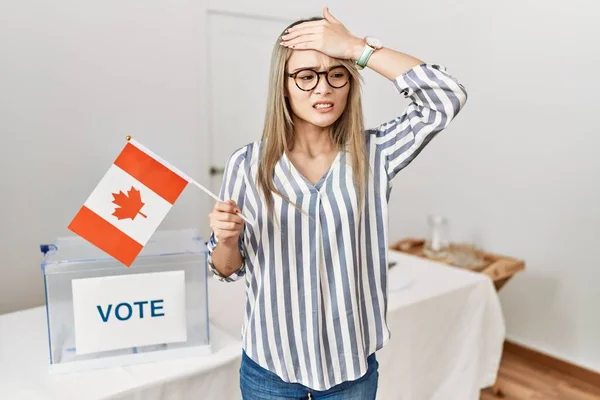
308, 79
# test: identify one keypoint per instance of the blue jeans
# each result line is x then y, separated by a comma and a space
257, 383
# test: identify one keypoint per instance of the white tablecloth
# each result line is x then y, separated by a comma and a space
24, 369
447, 334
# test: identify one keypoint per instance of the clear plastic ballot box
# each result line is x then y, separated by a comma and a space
101, 313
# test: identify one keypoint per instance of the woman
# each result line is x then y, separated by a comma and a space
316, 186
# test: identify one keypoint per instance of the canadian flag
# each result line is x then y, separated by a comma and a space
129, 203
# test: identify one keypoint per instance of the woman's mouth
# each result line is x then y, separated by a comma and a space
323, 107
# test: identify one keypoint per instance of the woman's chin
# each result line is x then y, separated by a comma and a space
324, 121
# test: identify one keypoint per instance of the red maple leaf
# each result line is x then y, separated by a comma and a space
130, 204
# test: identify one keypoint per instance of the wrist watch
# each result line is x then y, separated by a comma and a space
371, 45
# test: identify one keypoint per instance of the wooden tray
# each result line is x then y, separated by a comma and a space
498, 267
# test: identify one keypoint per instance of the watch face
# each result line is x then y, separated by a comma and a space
374, 42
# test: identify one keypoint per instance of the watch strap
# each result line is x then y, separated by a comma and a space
364, 57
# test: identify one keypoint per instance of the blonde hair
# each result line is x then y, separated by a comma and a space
347, 132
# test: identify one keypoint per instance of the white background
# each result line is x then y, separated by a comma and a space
93, 334
517, 172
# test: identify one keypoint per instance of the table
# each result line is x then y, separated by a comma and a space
24, 369
447, 336
447, 330
500, 267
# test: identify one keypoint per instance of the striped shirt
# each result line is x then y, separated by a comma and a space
317, 285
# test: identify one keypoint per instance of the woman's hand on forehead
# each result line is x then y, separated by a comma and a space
328, 36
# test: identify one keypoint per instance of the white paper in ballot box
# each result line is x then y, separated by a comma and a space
101, 313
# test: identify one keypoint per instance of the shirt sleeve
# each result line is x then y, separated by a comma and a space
232, 188
436, 97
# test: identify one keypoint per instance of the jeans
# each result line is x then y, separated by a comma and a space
258, 383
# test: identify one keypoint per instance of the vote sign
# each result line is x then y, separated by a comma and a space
134, 310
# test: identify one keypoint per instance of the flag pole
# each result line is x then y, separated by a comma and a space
179, 172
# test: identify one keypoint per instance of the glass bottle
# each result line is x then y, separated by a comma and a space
437, 242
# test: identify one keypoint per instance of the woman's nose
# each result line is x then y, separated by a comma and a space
322, 86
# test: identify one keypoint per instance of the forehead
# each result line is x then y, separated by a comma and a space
310, 58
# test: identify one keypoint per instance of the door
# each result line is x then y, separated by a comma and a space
239, 56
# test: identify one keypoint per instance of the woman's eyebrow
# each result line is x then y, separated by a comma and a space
301, 68
315, 68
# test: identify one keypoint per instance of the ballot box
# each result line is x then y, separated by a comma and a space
101, 313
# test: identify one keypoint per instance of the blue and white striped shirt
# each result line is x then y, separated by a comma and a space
317, 286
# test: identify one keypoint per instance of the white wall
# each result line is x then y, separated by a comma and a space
515, 171
76, 78
519, 171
